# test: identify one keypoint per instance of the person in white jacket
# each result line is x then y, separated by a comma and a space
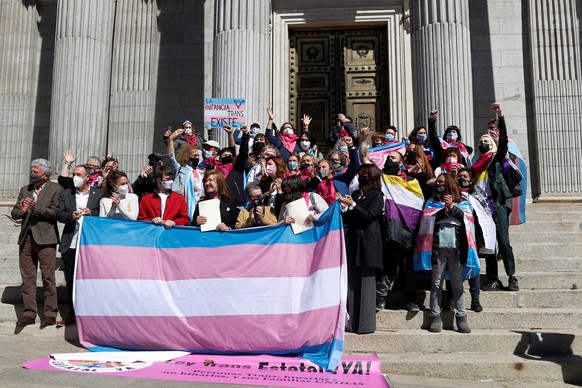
117, 201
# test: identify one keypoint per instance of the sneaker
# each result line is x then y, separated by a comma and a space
494, 285
513, 285
476, 306
380, 304
412, 307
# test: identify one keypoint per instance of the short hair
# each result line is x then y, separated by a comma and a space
336, 152
184, 152
164, 171
220, 181
95, 159
310, 136
378, 136
88, 170
392, 127
373, 172
451, 128
107, 160
46, 166
453, 151
252, 187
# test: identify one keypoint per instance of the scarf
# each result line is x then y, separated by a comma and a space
193, 140
448, 166
289, 141
326, 189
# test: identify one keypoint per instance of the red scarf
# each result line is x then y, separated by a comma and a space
482, 163
224, 169
305, 173
289, 140
193, 140
326, 189
460, 146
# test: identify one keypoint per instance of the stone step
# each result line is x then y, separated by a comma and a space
490, 318
548, 249
554, 207
540, 342
557, 215
565, 280
485, 367
518, 237
542, 264
537, 227
566, 299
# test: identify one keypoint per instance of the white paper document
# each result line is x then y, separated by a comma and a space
299, 211
211, 210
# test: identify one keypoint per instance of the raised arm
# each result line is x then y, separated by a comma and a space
363, 147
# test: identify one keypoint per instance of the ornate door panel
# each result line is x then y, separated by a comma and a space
338, 72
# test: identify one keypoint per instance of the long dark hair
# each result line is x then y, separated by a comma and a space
374, 174
297, 186
452, 188
111, 182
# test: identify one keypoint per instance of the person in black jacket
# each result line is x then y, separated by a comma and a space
364, 243
215, 187
346, 123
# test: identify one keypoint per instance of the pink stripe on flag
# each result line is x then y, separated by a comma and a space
423, 243
241, 261
226, 333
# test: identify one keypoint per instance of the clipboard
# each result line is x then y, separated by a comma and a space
299, 211
211, 210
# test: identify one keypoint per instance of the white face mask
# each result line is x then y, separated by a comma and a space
188, 131
123, 189
255, 130
451, 159
78, 181
207, 154
168, 184
288, 131
305, 145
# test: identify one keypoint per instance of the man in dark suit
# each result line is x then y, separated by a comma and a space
37, 206
74, 203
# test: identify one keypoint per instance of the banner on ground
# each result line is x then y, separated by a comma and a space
250, 291
272, 371
219, 112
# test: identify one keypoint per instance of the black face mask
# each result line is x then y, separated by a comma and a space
226, 160
440, 189
410, 156
193, 162
391, 167
258, 146
484, 148
306, 166
363, 181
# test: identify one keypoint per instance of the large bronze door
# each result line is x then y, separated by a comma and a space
338, 72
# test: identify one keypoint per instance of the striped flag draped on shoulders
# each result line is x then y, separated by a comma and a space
403, 206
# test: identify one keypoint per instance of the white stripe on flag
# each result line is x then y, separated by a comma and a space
207, 297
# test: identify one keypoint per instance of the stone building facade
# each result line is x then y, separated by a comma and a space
94, 76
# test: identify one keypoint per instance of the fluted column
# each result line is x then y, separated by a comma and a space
557, 99
133, 83
242, 57
441, 61
18, 72
81, 77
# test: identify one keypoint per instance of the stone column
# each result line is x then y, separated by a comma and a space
441, 61
557, 97
19, 39
133, 84
81, 78
242, 57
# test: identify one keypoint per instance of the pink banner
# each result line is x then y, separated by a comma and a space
262, 370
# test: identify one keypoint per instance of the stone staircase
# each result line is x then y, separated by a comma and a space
530, 336
533, 335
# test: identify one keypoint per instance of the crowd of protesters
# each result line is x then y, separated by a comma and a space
463, 201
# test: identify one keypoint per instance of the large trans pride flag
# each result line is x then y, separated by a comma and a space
249, 291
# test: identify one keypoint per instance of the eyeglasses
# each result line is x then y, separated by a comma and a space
92, 166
